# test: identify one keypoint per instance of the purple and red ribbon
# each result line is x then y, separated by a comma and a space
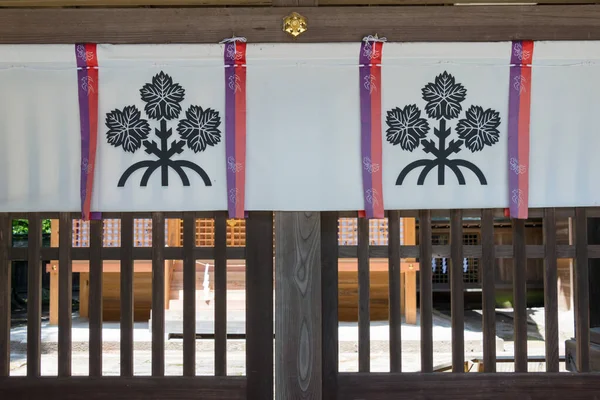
235, 125
519, 112
370, 126
87, 83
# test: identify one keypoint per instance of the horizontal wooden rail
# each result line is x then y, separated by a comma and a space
325, 24
445, 386
122, 388
178, 3
471, 251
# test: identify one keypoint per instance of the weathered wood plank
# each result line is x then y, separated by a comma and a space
5, 293
581, 295
394, 283
189, 295
551, 292
364, 319
480, 386
65, 294
326, 24
488, 280
220, 294
158, 294
298, 306
259, 305
329, 301
126, 295
34, 296
121, 388
95, 303
137, 253
457, 292
520, 294
426, 292
128, 3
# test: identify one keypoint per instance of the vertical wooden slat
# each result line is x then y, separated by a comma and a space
65, 294
34, 296
520, 294
158, 294
426, 298
364, 319
189, 294
127, 294
457, 291
329, 301
259, 305
488, 283
550, 291
395, 317
5, 293
582, 311
221, 294
95, 295
298, 306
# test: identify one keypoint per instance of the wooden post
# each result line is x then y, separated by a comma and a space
298, 342
54, 229
409, 281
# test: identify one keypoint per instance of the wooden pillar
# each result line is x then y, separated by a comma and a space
298, 344
173, 240
409, 281
53, 320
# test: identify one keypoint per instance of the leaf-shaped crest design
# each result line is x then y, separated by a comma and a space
162, 97
126, 128
444, 97
200, 128
406, 127
479, 128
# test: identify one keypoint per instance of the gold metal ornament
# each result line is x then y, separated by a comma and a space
294, 24
232, 222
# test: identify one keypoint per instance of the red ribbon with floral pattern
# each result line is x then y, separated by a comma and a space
87, 83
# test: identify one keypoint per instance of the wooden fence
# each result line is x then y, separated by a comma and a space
307, 251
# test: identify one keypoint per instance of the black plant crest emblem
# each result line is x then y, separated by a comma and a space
198, 130
476, 130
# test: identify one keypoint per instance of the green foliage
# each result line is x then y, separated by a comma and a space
21, 226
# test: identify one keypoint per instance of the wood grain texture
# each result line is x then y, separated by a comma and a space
479, 386
426, 292
220, 298
582, 311
34, 296
394, 283
488, 280
551, 292
189, 295
126, 290
471, 251
5, 293
329, 302
121, 388
127, 3
298, 349
65, 294
95, 303
259, 305
457, 301
136, 253
520, 294
364, 279
158, 294
325, 24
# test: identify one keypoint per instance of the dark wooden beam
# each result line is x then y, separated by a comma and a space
325, 24
494, 386
122, 388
